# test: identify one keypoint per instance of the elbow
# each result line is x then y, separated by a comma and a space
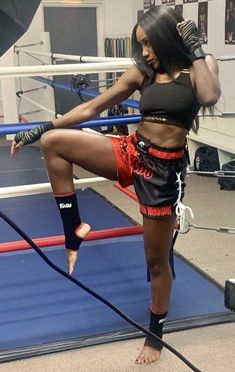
211, 100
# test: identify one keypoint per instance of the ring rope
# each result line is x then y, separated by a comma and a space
128, 102
64, 69
39, 188
226, 230
88, 58
93, 293
71, 57
13, 128
219, 173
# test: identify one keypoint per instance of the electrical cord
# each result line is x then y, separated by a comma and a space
93, 293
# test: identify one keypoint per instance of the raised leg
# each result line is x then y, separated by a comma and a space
63, 148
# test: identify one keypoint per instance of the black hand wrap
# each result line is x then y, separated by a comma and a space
155, 326
190, 36
30, 136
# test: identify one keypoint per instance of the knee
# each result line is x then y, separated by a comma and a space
49, 139
157, 266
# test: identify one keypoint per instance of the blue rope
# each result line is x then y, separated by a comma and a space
107, 121
86, 92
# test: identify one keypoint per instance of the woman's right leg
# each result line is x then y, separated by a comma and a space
62, 149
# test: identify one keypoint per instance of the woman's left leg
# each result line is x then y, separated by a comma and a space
62, 149
158, 235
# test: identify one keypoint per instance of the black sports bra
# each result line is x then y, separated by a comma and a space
173, 103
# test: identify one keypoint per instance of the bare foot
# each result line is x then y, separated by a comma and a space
72, 257
148, 355
81, 232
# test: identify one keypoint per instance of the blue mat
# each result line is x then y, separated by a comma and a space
38, 215
38, 305
27, 167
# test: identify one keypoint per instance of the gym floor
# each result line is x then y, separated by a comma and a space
209, 348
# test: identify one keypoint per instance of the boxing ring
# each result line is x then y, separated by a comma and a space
42, 312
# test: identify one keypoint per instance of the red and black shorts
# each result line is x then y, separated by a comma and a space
154, 171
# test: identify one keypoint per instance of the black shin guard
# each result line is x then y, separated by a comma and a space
69, 212
155, 326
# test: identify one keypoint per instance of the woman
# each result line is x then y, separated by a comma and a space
175, 79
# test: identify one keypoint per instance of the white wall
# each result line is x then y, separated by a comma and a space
120, 17
117, 22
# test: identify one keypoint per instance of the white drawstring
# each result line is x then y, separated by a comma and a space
180, 207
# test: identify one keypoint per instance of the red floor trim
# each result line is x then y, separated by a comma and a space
59, 240
126, 191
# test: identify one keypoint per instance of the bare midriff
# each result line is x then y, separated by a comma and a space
163, 135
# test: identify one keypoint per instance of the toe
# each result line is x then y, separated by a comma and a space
71, 260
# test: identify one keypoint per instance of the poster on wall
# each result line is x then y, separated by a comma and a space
148, 4
203, 21
168, 2
230, 22
179, 9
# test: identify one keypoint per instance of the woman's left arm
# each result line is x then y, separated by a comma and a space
205, 74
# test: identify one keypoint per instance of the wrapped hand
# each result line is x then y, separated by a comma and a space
29, 136
190, 36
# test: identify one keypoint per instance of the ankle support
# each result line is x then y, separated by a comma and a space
155, 326
69, 212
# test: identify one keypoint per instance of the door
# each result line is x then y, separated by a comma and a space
73, 30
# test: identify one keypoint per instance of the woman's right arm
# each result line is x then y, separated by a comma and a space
129, 82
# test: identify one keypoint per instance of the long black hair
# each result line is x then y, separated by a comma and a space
159, 24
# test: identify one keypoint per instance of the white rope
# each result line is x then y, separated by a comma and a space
63, 69
40, 188
92, 131
180, 207
227, 230
219, 173
71, 57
